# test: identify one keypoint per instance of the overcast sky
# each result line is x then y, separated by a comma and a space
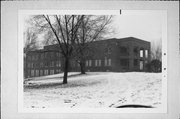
146, 26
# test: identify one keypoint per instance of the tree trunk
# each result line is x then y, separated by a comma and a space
82, 65
66, 70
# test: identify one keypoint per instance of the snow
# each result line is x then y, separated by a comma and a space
94, 90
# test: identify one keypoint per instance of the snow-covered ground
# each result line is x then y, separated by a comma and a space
94, 89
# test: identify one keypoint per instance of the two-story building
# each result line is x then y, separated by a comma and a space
116, 55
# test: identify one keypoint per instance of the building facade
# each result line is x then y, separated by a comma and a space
116, 55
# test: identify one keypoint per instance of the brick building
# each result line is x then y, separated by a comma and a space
117, 55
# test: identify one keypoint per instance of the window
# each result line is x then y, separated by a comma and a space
141, 53
58, 63
96, 62
141, 65
46, 54
29, 65
52, 64
32, 65
86, 62
51, 72
46, 72
32, 72
136, 51
109, 62
37, 57
90, 62
37, 72
108, 50
42, 56
41, 64
41, 72
124, 50
52, 54
58, 54
29, 57
135, 62
105, 62
146, 53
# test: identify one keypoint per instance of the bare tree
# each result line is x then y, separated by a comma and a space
156, 51
61, 29
92, 28
30, 40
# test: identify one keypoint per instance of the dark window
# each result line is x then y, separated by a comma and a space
42, 56
108, 50
124, 50
135, 62
135, 51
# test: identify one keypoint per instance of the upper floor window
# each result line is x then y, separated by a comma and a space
146, 53
141, 53
108, 50
136, 51
29, 57
124, 50
42, 56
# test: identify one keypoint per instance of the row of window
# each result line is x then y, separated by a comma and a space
144, 52
98, 63
44, 64
33, 73
43, 55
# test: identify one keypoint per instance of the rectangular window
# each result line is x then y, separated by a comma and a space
90, 63
99, 62
42, 56
135, 62
141, 65
136, 51
51, 72
32, 72
41, 72
32, 65
96, 62
146, 53
105, 62
141, 53
46, 72
124, 50
86, 62
109, 62
37, 72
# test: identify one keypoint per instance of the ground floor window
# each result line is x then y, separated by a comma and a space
58, 70
109, 62
37, 72
32, 72
141, 65
135, 62
46, 72
41, 72
51, 71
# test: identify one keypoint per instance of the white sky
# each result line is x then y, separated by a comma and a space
143, 24
145, 27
